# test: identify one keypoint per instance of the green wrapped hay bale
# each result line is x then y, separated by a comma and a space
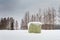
34, 27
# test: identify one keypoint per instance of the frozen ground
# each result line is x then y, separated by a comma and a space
24, 35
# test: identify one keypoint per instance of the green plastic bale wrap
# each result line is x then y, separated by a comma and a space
34, 28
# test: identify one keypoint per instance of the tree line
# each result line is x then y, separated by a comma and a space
8, 24
47, 17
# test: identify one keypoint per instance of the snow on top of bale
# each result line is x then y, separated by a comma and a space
34, 23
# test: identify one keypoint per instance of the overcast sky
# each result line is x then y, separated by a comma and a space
17, 8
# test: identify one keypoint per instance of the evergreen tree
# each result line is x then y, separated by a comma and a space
16, 25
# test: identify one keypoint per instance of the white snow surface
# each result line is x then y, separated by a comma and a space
24, 35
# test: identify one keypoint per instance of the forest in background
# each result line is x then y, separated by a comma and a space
8, 24
48, 17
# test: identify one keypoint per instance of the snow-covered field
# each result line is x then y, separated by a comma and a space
24, 35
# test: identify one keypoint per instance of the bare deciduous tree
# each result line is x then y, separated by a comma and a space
25, 21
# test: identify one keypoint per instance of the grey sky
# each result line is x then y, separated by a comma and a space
17, 8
